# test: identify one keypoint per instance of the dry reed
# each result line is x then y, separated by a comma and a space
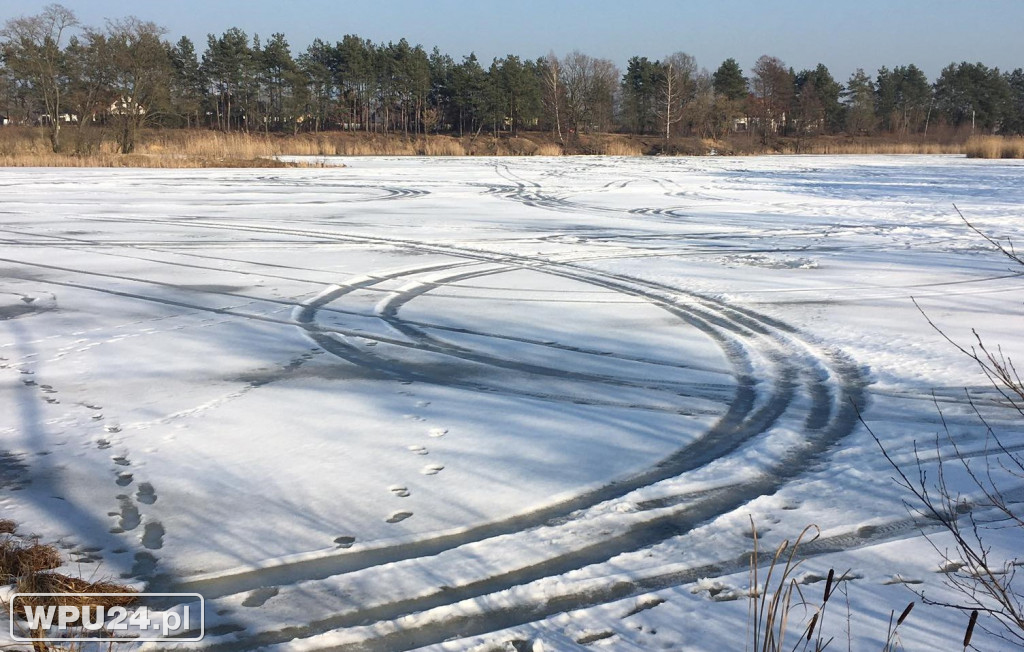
772, 601
621, 148
995, 147
197, 148
770, 604
864, 148
440, 146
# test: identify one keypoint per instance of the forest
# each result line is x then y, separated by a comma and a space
127, 75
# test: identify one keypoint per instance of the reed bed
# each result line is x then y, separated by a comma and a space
196, 148
995, 147
873, 147
622, 148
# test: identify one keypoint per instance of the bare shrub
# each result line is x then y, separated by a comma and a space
984, 581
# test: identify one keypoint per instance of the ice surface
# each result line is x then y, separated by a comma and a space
536, 399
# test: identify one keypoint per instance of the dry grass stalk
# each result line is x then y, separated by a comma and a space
970, 628
772, 601
770, 607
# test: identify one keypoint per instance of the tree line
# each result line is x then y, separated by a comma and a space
126, 75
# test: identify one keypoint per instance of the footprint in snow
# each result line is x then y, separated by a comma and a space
128, 518
144, 566
399, 490
146, 494
432, 469
124, 479
153, 536
345, 542
438, 432
419, 450
397, 517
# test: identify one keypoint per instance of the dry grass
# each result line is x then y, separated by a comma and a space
19, 558
771, 603
92, 147
198, 148
8, 526
68, 591
139, 161
621, 148
440, 146
995, 147
779, 601
871, 147
29, 564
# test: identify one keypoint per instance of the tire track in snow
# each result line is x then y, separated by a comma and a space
567, 270
751, 414
827, 422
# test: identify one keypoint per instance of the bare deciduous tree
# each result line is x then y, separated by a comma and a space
577, 71
32, 48
704, 107
89, 77
554, 93
773, 93
589, 85
140, 74
678, 86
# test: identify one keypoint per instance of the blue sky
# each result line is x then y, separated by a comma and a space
842, 35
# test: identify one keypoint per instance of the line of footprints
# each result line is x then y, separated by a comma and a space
400, 490
128, 518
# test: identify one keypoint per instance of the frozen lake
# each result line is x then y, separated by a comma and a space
411, 401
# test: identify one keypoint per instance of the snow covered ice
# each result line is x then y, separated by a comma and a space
462, 402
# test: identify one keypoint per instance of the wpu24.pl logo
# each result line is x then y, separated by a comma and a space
62, 617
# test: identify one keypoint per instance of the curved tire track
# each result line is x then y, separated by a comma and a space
829, 384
